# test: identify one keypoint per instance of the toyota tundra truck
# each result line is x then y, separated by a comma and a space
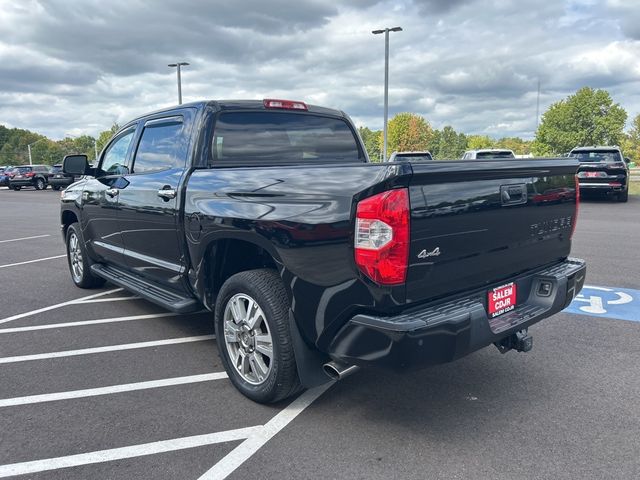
314, 261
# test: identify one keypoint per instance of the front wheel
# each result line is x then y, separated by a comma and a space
16, 188
55, 187
252, 332
40, 185
79, 263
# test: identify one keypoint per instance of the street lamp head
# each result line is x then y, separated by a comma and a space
384, 30
176, 64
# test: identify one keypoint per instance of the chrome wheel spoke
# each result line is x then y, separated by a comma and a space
237, 310
264, 345
258, 366
231, 332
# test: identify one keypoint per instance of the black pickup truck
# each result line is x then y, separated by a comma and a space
315, 261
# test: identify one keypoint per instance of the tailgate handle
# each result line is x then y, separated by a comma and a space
513, 194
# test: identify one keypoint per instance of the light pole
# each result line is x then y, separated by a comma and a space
386, 81
29, 149
178, 65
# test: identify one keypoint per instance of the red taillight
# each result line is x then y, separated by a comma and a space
615, 184
382, 237
29, 174
575, 214
284, 104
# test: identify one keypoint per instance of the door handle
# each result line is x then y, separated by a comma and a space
112, 192
167, 193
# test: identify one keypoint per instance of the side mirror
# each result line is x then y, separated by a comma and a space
627, 159
75, 164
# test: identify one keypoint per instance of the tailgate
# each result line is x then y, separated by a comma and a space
477, 223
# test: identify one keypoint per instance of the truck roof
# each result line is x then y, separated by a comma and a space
240, 105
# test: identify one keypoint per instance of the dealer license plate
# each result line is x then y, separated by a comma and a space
501, 299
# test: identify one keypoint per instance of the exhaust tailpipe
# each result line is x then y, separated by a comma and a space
339, 370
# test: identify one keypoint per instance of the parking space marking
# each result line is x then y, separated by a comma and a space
132, 451
108, 348
126, 387
114, 299
256, 440
59, 305
130, 318
607, 302
31, 261
24, 238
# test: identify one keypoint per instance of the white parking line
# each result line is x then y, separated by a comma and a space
48, 326
31, 261
114, 299
255, 441
58, 305
127, 387
24, 238
109, 348
126, 452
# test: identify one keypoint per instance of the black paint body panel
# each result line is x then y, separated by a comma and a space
491, 220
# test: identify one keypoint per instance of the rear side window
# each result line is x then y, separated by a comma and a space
162, 146
280, 138
598, 156
480, 155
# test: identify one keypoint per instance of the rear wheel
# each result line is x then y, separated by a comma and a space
40, 185
252, 332
16, 188
623, 196
79, 263
55, 187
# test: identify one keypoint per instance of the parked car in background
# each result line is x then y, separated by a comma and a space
35, 176
4, 176
488, 153
411, 157
58, 179
602, 170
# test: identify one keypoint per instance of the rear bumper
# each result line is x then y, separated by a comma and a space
445, 331
60, 182
612, 186
21, 183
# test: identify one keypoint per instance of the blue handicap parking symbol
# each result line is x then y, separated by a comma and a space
610, 302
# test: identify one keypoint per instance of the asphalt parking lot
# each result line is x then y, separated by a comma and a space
100, 384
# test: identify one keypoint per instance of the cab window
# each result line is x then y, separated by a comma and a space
163, 145
114, 161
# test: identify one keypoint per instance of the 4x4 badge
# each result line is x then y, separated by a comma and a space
433, 253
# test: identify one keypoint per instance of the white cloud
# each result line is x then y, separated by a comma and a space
75, 67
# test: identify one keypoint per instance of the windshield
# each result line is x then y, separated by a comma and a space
56, 169
608, 156
494, 155
275, 138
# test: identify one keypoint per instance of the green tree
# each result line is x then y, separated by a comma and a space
407, 132
631, 141
371, 142
477, 142
448, 144
518, 145
589, 117
106, 135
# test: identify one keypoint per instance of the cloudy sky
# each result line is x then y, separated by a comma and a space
76, 67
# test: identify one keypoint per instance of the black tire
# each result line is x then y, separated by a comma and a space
267, 290
55, 187
78, 260
16, 188
40, 184
623, 196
